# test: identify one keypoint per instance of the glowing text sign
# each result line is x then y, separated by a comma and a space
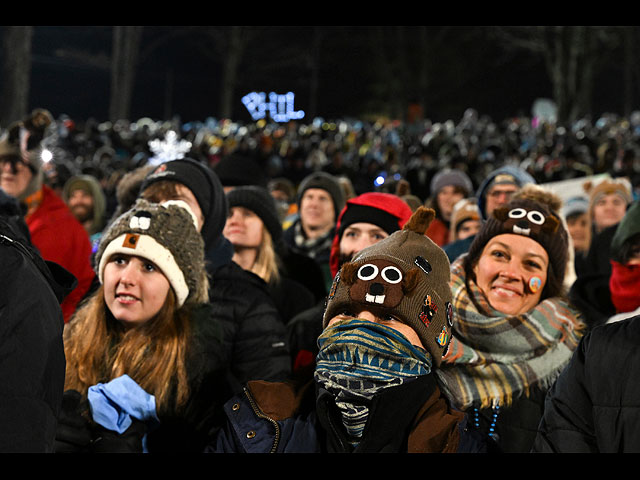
278, 107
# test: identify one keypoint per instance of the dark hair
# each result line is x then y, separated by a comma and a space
630, 245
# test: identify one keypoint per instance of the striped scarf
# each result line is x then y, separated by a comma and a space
358, 359
493, 357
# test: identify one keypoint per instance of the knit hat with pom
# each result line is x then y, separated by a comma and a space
166, 235
406, 275
533, 213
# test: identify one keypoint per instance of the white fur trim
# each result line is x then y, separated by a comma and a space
147, 247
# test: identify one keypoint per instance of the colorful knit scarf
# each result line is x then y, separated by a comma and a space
311, 247
493, 357
357, 359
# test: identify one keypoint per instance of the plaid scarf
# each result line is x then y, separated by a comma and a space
311, 247
494, 357
357, 360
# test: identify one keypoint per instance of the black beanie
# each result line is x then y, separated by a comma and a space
364, 213
205, 186
325, 182
260, 202
238, 169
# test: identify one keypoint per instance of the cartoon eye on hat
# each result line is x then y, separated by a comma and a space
533, 216
141, 220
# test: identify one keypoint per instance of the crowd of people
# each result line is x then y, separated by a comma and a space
342, 286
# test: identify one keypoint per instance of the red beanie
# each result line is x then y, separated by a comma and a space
379, 208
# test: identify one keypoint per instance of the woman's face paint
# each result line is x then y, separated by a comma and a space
534, 284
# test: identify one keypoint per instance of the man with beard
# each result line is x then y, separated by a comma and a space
365, 220
86, 200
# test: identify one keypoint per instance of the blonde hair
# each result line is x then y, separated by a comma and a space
98, 349
267, 264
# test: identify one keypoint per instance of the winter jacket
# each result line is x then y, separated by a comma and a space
280, 418
33, 364
594, 405
184, 429
438, 231
253, 332
60, 238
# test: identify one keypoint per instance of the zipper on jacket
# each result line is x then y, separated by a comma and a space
18, 245
260, 414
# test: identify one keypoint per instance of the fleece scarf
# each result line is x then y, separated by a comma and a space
493, 357
358, 359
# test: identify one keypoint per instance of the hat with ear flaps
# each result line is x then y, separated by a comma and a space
166, 235
406, 275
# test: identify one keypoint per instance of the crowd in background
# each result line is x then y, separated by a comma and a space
282, 213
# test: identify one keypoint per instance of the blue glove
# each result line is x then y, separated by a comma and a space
117, 404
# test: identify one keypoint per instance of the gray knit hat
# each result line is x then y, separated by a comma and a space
166, 235
456, 178
405, 275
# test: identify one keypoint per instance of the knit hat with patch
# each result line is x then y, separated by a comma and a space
323, 181
166, 235
533, 213
406, 275
259, 201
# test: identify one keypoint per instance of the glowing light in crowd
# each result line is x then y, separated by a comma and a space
46, 155
277, 106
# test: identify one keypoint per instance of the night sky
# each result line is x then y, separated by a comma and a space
179, 80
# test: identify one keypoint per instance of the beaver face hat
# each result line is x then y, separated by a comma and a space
166, 235
406, 275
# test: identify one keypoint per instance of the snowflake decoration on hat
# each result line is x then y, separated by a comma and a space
169, 148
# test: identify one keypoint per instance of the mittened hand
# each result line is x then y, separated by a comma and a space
73, 434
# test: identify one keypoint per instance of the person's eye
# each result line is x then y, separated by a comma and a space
498, 254
118, 260
533, 265
350, 234
149, 267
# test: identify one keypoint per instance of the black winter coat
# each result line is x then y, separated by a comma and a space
33, 364
253, 332
594, 405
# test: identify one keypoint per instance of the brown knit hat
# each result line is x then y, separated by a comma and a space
534, 213
405, 275
166, 235
618, 186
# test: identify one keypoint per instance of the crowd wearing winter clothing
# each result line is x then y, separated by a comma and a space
327, 287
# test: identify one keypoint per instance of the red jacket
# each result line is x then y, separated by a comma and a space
60, 238
438, 232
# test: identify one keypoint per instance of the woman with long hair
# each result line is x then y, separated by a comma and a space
144, 368
254, 229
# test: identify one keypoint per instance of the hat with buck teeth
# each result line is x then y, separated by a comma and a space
166, 235
406, 276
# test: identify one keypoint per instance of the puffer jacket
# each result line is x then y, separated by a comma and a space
594, 405
254, 335
280, 418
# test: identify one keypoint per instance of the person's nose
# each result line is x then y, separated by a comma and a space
511, 272
367, 315
128, 275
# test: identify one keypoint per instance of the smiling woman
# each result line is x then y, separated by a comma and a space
513, 330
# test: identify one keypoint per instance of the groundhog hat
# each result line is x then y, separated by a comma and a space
406, 275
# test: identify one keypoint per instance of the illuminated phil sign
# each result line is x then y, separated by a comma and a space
278, 107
